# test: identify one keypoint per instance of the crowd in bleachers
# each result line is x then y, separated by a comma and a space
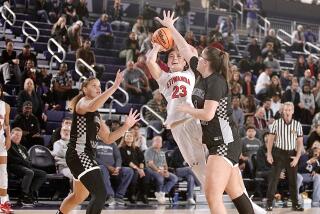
259, 82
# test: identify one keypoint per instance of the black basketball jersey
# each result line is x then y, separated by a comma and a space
84, 130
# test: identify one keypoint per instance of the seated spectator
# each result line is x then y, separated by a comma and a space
314, 136
274, 87
227, 27
116, 13
307, 79
30, 71
299, 67
10, 64
157, 104
314, 69
101, 33
56, 134
29, 94
292, 95
30, 126
269, 115
275, 103
271, 43
309, 170
190, 38
235, 78
43, 82
141, 63
298, 39
307, 105
249, 106
250, 147
309, 36
263, 82
70, 11
139, 139
116, 178
82, 12
42, 8
285, 80
140, 30
157, 167
253, 49
146, 44
62, 86
74, 35
19, 163
260, 122
181, 169
237, 112
88, 56
131, 50
60, 32
25, 55
59, 152
247, 85
133, 157
273, 63
136, 84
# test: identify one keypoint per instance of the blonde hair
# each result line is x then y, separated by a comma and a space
123, 143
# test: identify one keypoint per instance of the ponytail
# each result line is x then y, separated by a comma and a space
219, 61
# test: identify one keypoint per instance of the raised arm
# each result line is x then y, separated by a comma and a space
184, 48
151, 61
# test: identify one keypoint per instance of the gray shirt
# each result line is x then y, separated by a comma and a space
158, 158
108, 155
250, 147
134, 77
238, 116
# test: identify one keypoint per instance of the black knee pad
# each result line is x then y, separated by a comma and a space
243, 204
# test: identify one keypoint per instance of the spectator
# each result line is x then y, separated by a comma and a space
141, 63
299, 67
263, 168
249, 106
70, 11
190, 38
136, 84
252, 20
59, 152
62, 86
237, 112
157, 167
184, 171
309, 36
88, 56
139, 139
316, 94
309, 169
262, 83
182, 10
307, 105
307, 79
271, 43
253, 49
250, 147
25, 55
109, 158
257, 66
285, 79
248, 85
260, 122
227, 27
275, 103
116, 13
274, 87
312, 66
313, 137
235, 79
298, 39
140, 30
292, 95
203, 43
30, 71
60, 32
146, 44
158, 105
19, 163
29, 94
149, 13
131, 50
10, 64
133, 157
82, 12
269, 115
29, 125
43, 82
56, 134
273, 63
101, 33
74, 35
42, 8
236, 90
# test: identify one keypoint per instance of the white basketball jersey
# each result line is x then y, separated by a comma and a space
177, 88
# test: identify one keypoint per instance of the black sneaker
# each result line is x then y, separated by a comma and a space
269, 208
297, 208
27, 201
145, 199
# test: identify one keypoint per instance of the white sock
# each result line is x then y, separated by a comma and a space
4, 199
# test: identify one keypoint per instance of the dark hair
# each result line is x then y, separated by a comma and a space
66, 118
8, 40
219, 61
73, 103
250, 127
1, 94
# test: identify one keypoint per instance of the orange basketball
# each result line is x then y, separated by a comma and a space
163, 37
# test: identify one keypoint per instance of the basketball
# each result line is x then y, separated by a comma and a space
163, 37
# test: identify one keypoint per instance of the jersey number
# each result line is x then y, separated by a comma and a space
179, 91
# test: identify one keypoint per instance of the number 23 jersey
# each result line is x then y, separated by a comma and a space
177, 88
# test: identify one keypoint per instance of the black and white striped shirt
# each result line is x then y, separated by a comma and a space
286, 134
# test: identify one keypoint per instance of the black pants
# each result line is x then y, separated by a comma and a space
32, 178
281, 160
138, 184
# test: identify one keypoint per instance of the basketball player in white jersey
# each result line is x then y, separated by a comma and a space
5, 143
177, 87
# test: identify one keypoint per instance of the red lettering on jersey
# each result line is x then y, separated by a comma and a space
177, 79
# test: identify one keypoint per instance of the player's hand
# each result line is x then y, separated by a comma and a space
270, 158
294, 162
184, 108
118, 79
168, 19
132, 118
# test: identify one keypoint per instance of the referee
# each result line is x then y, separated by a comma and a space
287, 138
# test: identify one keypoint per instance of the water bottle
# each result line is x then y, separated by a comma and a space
175, 198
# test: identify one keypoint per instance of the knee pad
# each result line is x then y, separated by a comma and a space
243, 204
3, 176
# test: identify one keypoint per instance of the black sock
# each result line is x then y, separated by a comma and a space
243, 204
59, 212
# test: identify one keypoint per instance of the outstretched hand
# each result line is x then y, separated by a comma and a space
118, 79
132, 118
168, 19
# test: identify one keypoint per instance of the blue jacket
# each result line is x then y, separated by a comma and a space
100, 28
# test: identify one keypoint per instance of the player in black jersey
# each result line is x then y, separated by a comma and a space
211, 102
86, 127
